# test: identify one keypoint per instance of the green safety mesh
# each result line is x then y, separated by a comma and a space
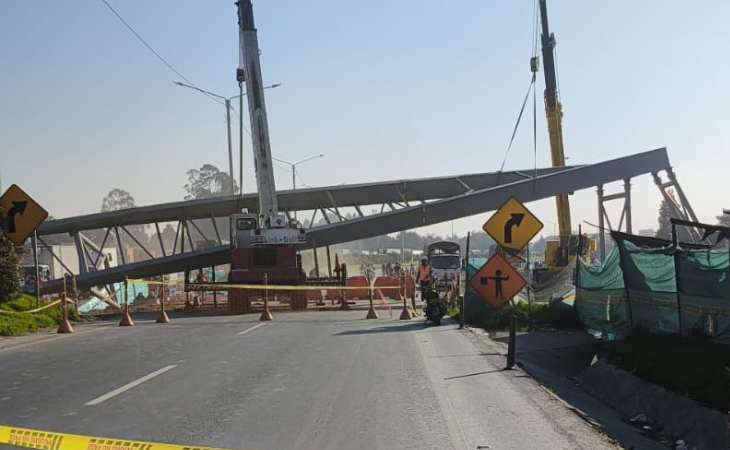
704, 293
600, 298
474, 307
648, 268
648, 282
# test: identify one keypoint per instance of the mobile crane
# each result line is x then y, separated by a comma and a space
263, 243
557, 253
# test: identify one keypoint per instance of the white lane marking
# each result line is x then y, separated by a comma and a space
250, 329
129, 386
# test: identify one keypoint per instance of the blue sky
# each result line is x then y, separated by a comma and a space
386, 89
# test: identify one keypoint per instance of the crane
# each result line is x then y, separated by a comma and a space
554, 113
263, 245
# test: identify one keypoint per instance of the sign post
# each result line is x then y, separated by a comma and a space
497, 282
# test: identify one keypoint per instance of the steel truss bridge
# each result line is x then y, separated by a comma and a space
350, 212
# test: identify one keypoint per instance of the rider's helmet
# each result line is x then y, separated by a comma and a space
424, 261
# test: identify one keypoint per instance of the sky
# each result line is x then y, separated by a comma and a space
385, 89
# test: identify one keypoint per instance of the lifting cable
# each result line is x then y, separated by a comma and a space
530, 87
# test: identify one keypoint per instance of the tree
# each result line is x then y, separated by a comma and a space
117, 199
666, 212
11, 257
208, 182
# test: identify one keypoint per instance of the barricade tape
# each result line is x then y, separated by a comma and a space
47, 440
53, 303
269, 287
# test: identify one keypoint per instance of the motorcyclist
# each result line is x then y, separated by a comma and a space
424, 275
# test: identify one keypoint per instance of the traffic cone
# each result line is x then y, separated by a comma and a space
405, 314
126, 318
65, 326
162, 316
372, 314
266, 315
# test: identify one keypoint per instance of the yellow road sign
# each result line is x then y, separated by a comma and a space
20, 214
513, 225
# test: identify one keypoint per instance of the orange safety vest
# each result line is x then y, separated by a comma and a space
424, 272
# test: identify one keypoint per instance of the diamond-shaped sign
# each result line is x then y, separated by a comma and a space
20, 214
513, 225
497, 281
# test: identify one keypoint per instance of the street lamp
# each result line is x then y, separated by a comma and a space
294, 170
227, 104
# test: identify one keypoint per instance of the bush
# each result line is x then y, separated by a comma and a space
14, 324
690, 366
532, 316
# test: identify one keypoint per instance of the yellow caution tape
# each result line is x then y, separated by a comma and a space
270, 287
53, 303
47, 440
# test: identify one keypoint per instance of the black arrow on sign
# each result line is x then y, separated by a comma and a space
514, 221
18, 208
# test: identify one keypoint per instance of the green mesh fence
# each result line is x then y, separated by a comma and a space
601, 300
474, 307
704, 293
648, 282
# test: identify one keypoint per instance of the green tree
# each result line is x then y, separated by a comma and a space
11, 257
666, 212
208, 182
117, 199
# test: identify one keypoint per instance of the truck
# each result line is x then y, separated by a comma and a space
445, 259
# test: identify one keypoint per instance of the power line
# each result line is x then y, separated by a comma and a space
149, 47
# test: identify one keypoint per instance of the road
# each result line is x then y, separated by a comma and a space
320, 381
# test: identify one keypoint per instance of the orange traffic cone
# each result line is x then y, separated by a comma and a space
126, 318
162, 317
405, 314
372, 314
266, 315
65, 326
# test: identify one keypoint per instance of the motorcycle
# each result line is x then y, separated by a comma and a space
435, 306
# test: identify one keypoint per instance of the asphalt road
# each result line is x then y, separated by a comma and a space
319, 381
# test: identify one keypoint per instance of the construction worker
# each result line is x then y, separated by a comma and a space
424, 275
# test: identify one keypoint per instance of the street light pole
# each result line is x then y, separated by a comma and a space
227, 104
230, 147
294, 170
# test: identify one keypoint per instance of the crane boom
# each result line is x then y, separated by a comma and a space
554, 113
251, 66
